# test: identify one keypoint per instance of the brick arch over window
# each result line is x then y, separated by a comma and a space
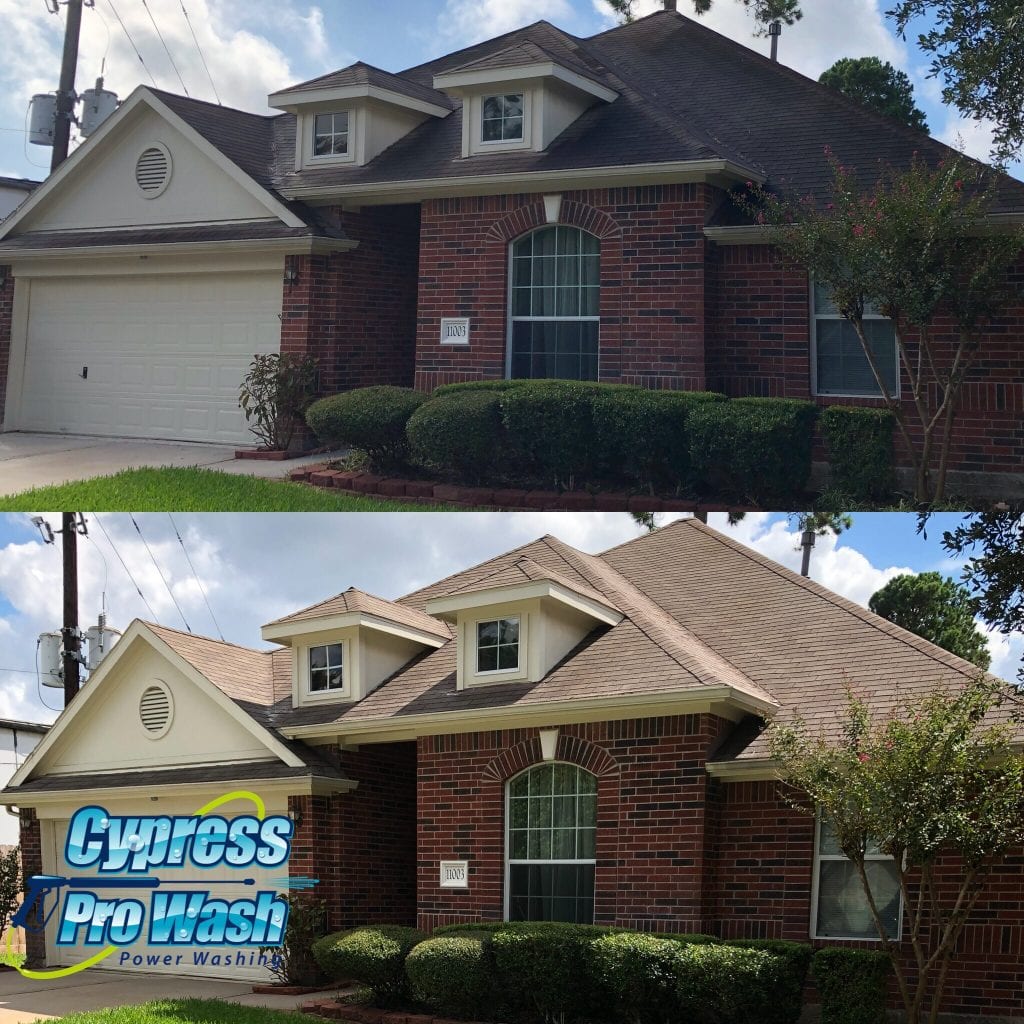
572, 213
571, 749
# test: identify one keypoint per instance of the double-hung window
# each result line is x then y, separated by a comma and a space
502, 118
330, 134
326, 669
840, 365
497, 645
840, 906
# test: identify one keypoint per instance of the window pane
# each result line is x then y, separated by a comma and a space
487, 633
563, 844
587, 809
585, 844
334, 654
842, 366
520, 785
565, 776
564, 813
513, 128
508, 657
541, 779
487, 659
322, 145
540, 812
340, 147
518, 844
509, 631
842, 906
518, 809
552, 892
492, 131
522, 272
827, 841
492, 108
317, 679
514, 105
540, 844
590, 270
544, 241
317, 657
334, 681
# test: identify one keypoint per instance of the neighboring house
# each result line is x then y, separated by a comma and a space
563, 200
583, 733
17, 741
13, 192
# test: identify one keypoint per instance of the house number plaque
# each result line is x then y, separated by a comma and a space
454, 874
455, 330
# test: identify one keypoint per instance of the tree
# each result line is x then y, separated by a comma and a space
977, 51
914, 247
936, 608
878, 86
10, 885
933, 781
763, 11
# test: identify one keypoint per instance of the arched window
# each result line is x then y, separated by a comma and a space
554, 301
552, 817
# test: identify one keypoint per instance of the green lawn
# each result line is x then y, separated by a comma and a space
186, 1011
194, 490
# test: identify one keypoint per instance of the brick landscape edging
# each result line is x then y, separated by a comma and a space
358, 1014
429, 492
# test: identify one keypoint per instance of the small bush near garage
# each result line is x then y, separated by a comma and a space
859, 445
752, 449
370, 419
453, 974
459, 434
852, 984
275, 394
293, 963
373, 955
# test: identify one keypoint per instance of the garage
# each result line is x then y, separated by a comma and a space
149, 356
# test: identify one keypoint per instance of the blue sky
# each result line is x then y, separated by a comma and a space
256, 567
261, 45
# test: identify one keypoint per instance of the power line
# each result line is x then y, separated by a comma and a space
132, 41
138, 589
152, 558
195, 575
202, 58
160, 36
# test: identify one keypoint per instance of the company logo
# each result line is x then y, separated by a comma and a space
130, 894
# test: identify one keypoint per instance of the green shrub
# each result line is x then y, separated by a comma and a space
458, 434
788, 978
753, 449
370, 419
373, 955
639, 973
860, 451
724, 984
276, 391
293, 963
453, 974
642, 434
477, 385
852, 984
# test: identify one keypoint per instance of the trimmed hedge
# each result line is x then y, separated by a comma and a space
478, 385
460, 433
852, 984
859, 444
453, 974
373, 955
790, 976
370, 419
753, 449
640, 974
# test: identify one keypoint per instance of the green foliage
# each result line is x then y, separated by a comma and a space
937, 608
459, 433
10, 885
860, 451
642, 434
852, 984
753, 449
725, 984
763, 11
371, 419
453, 974
788, 974
878, 86
476, 385
293, 963
373, 955
639, 974
275, 393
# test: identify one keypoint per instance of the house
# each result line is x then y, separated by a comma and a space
568, 736
534, 205
14, 191
17, 741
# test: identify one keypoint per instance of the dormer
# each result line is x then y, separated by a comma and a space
516, 625
345, 647
520, 98
350, 116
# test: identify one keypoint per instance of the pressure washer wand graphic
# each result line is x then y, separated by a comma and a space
40, 886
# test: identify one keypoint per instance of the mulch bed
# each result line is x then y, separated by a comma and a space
358, 1014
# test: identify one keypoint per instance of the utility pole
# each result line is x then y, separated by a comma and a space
66, 91
71, 524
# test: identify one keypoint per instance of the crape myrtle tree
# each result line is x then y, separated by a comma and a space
878, 86
916, 247
935, 781
936, 608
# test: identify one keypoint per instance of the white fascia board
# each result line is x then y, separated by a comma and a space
761, 769
385, 192
285, 632
449, 607
458, 82
293, 102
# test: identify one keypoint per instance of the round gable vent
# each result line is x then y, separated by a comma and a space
156, 709
153, 170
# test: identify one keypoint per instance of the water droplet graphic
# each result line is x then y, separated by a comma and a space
183, 934
104, 823
191, 912
135, 843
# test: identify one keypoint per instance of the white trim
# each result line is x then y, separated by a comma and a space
518, 667
447, 607
311, 696
457, 82
282, 632
314, 159
292, 101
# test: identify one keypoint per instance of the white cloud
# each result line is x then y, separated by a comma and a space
463, 22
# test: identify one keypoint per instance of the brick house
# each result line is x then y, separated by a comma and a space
563, 735
534, 205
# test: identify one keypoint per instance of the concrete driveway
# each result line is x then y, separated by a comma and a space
23, 1000
36, 460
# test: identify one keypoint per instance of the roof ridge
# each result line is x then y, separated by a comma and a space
203, 637
158, 92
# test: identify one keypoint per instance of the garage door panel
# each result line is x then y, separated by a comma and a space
166, 355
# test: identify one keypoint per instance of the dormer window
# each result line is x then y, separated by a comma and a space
326, 668
502, 118
330, 134
497, 645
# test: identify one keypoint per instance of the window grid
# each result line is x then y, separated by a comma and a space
502, 118
326, 668
330, 134
497, 645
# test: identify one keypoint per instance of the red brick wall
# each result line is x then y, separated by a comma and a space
652, 281
361, 845
6, 319
32, 864
650, 854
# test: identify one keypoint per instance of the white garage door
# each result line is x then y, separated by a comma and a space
159, 357
153, 957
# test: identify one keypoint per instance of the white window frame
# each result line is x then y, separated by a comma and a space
815, 878
814, 351
306, 680
481, 141
506, 826
518, 619
348, 155
509, 288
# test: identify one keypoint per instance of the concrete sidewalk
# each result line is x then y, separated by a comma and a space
36, 460
23, 1000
